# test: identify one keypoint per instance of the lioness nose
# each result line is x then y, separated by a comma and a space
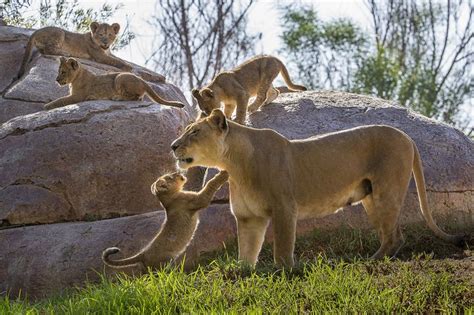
174, 146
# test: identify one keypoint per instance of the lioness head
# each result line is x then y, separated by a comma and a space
207, 100
203, 142
104, 34
169, 183
68, 70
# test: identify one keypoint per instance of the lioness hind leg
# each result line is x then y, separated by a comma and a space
251, 233
384, 214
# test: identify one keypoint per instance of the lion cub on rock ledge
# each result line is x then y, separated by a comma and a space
234, 88
86, 86
182, 217
94, 45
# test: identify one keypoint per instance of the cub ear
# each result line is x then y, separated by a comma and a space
94, 26
207, 93
195, 93
62, 59
217, 117
116, 28
201, 115
73, 63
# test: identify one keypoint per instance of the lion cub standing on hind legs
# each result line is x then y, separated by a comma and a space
85, 86
182, 217
234, 88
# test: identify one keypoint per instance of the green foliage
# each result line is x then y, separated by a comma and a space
67, 14
331, 50
331, 278
419, 53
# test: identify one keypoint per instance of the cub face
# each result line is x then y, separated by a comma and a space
68, 70
168, 183
207, 100
104, 34
203, 142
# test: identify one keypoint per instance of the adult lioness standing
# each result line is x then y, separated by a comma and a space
273, 178
254, 77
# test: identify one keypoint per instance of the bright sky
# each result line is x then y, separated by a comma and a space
263, 17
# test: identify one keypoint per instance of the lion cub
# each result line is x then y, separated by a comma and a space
234, 88
182, 217
94, 45
86, 86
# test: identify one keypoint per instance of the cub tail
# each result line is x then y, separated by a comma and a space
125, 262
286, 76
152, 94
27, 56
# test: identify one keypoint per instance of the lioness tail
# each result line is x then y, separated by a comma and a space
425, 210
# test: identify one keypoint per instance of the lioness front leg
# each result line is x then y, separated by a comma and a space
62, 101
251, 233
284, 236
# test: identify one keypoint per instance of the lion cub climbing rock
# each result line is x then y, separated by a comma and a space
234, 88
86, 86
182, 217
94, 45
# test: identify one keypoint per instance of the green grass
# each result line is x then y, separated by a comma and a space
332, 276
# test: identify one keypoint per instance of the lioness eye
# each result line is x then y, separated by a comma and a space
195, 131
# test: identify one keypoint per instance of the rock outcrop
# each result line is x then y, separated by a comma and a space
89, 161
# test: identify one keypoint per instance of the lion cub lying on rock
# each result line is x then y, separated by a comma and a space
182, 217
94, 45
86, 86
234, 88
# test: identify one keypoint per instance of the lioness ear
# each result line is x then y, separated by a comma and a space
116, 27
62, 59
207, 92
94, 26
217, 117
73, 63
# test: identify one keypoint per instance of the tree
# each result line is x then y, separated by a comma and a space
66, 14
326, 54
420, 54
196, 39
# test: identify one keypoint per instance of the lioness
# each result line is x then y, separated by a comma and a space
274, 178
94, 45
85, 86
234, 88
182, 217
